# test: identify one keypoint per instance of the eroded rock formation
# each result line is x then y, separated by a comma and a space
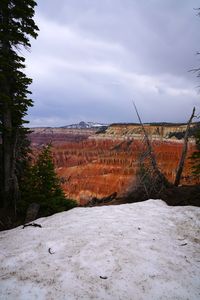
96, 165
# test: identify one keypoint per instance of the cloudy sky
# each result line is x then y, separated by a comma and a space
93, 57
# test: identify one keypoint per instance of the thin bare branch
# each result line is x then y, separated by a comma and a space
184, 151
150, 150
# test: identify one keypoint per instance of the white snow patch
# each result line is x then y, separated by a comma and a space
145, 250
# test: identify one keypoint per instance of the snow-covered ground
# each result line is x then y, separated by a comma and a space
145, 250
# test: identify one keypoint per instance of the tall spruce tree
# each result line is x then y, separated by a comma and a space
16, 28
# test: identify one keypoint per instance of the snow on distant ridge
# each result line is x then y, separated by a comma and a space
144, 250
83, 124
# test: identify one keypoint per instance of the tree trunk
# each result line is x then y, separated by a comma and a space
8, 165
7, 156
151, 154
15, 184
184, 151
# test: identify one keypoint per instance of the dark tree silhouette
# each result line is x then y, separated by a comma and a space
16, 27
41, 185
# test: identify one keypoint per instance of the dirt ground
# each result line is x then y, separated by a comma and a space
183, 195
174, 196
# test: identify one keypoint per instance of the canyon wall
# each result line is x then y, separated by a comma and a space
97, 165
44, 135
156, 131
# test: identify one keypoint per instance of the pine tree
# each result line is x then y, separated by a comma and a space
41, 185
16, 27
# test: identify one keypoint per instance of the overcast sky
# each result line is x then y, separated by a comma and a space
93, 57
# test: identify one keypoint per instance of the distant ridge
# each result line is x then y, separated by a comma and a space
97, 125
85, 125
154, 124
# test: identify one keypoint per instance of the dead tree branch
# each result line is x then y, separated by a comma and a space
150, 150
184, 151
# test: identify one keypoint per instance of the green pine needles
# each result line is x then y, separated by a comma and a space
16, 28
41, 185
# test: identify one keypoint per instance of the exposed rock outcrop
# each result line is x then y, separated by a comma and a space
97, 168
97, 165
155, 131
43, 135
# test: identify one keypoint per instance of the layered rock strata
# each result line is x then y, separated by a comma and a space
96, 165
98, 168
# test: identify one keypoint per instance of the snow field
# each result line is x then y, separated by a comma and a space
144, 250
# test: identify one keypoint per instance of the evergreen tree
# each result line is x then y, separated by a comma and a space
41, 185
16, 27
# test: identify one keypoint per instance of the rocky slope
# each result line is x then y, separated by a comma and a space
157, 131
43, 135
96, 165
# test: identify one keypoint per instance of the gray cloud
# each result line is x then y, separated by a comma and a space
93, 57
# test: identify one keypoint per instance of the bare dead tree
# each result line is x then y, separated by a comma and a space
184, 151
148, 180
150, 152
